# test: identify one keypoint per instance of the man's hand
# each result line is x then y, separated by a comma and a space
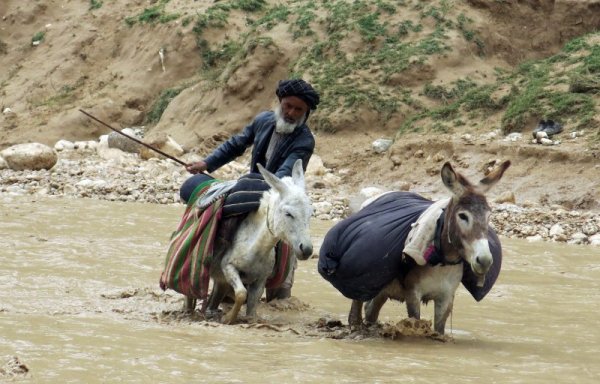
197, 167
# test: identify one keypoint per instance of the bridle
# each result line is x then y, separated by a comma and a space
442, 260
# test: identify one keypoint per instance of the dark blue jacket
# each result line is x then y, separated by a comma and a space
299, 144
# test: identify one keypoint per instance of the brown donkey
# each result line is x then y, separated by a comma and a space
464, 239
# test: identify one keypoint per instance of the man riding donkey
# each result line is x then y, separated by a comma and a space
279, 138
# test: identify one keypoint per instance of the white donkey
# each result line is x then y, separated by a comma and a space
246, 263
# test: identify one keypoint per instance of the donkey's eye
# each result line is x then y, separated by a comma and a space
289, 215
463, 217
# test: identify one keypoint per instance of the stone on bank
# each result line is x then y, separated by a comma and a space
29, 156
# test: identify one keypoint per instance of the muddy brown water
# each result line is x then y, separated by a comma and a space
80, 303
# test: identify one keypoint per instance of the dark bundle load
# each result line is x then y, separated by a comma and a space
363, 253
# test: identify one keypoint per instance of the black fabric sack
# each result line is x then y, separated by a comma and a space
361, 254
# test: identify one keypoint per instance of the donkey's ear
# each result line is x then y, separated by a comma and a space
493, 177
452, 180
298, 174
272, 180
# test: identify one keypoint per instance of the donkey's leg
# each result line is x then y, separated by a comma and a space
255, 292
216, 296
442, 309
373, 307
355, 316
233, 278
189, 304
413, 305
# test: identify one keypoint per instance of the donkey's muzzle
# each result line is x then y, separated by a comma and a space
306, 251
482, 259
483, 263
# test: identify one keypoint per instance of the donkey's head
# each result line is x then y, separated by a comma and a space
290, 210
467, 217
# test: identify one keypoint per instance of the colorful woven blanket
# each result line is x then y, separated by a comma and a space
187, 265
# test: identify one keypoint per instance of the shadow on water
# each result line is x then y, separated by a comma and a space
79, 302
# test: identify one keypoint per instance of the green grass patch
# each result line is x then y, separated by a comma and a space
576, 45
161, 103
410, 124
304, 18
154, 14
439, 127
475, 98
407, 26
38, 37
525, 95
591, 63
480, 98
214, 17
321, 123
438, 92
276, 15
95, 4
469, 34
63, 96
338, 15
222, 54
530, 95
584, 83
370, 27
533, 94
187, 21
227, 57
249, 5
562, 106
386, 6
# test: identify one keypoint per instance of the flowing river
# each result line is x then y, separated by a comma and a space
80, 303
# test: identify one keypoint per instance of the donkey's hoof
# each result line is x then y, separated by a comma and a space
213, 314
229, 318
250, 319
354, 327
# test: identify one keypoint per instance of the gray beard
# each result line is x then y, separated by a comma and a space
282, 126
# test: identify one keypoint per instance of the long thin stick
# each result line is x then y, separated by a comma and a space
134, 139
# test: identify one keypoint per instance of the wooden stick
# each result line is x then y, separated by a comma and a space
134, 139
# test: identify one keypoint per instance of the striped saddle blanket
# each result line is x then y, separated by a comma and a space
187, 265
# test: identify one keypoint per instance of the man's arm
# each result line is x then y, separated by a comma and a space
303, 149
227, 151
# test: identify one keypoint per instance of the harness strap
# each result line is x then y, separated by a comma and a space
268, 221
437, 256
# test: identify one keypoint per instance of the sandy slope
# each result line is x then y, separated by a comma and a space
93, 60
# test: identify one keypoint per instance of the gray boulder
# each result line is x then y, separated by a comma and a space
118, 141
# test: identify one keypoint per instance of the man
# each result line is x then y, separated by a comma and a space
278, 137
